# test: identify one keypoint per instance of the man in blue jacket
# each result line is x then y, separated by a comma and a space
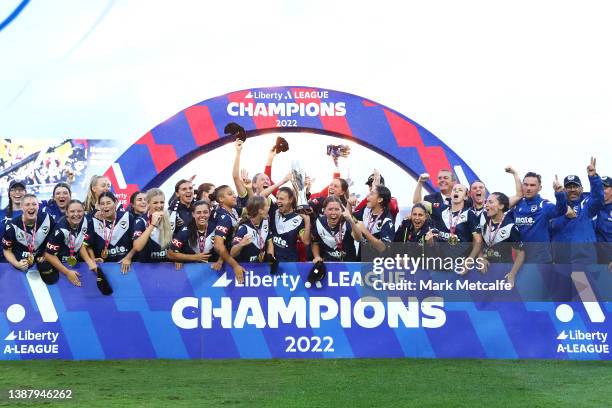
603, 225
574, 238
532, 215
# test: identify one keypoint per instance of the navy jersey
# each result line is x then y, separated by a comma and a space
64, 237
285, 230
4, 220
335, 244
152, 251
19, 240
381, 226
180, 215
465, 224
407, 233
225, 223
120, 236
499, 239
259, 237
477, 211
50, 207
203, 244
532, 217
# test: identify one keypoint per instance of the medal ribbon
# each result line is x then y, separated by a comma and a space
71, 241
108, 238
202, 242
373, 221
452, 221
491, 241
30, 240
339, 238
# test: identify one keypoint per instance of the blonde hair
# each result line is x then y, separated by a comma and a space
91, 199
165, 230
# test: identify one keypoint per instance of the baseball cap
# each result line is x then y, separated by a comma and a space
571, 179
607, 181
15, 183
371, 180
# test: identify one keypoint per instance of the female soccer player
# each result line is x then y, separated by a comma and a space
253, 234
194, 243
97, 186
56, 207
287, 227
500, 235
138, 204
413, 230
152, 231
65, 246
226, 221
26, 237
16, 191
204, 191
376, 224
456, 225
334, 233
110, 238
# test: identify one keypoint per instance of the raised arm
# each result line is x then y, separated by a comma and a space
417, 197
518, 187
240, 188
561, 198
267, 191
596, 201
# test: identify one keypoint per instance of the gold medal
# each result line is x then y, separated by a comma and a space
489, 253
72, 261
261, 257
30, 259
453, 239
104, 253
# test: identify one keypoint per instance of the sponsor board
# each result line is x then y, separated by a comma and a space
196, 312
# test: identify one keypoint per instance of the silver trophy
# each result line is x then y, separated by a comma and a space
299, 185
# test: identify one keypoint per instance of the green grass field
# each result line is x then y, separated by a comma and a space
315, 383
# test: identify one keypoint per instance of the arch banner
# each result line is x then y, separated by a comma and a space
163, 150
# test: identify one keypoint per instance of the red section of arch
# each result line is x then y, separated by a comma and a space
407, 135
162, 155
201, 124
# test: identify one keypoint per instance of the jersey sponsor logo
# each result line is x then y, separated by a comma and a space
279, 242
222, 229
52, 247
337, 254
118, 250
524, 220
177, 243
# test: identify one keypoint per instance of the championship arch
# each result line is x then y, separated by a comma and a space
154, 157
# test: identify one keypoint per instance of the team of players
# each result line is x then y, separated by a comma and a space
260, 222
